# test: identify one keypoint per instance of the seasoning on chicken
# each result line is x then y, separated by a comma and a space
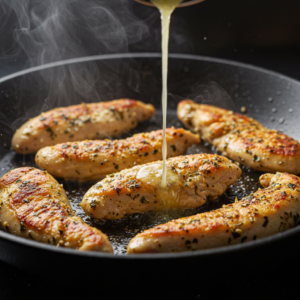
80, 122
93, 160
263, 213
190, 180
241, 138
33, 205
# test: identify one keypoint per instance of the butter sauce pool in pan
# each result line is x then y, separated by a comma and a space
204, 80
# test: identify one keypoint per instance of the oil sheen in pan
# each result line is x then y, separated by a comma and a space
121, 231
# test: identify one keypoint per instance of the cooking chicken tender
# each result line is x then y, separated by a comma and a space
241, 138
80, 122
93, 160
190, 180
267, 211
263, 150
33, 205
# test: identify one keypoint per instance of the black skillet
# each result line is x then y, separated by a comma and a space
269, 97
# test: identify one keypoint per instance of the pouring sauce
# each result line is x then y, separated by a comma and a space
152, 174
166, 7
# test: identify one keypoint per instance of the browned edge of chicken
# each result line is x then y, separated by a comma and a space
241, 138
80, 122
190, 180
35, 206
265, 212
93, 160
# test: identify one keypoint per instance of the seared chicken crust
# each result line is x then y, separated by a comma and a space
80, 122
190, 180
241, 138
33, 205
93, 160
263, 213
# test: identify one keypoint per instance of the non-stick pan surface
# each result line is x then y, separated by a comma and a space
266, 96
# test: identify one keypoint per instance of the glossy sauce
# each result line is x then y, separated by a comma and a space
168, 195
166, 7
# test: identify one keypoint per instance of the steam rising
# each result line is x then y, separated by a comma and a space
213, 94
45, 31
50, 30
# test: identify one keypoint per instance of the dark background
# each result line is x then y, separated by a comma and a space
263, 33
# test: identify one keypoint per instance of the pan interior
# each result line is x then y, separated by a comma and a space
266, 96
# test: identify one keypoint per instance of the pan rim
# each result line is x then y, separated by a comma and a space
207, 252
143, 55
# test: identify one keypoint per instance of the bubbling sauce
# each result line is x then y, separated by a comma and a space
168, 195
166, 7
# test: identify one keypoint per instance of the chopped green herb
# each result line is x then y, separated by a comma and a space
144, 200
93, 204
291, 185
50, 131
235, 234
266, 221
243, 239
256, 158
22, 226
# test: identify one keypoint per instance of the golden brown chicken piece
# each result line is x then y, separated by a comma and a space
267, 211
33, 205
80, 122
190, 180
241, 138
93, 160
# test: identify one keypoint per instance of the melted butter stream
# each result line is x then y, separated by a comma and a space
166, 7
168, 195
